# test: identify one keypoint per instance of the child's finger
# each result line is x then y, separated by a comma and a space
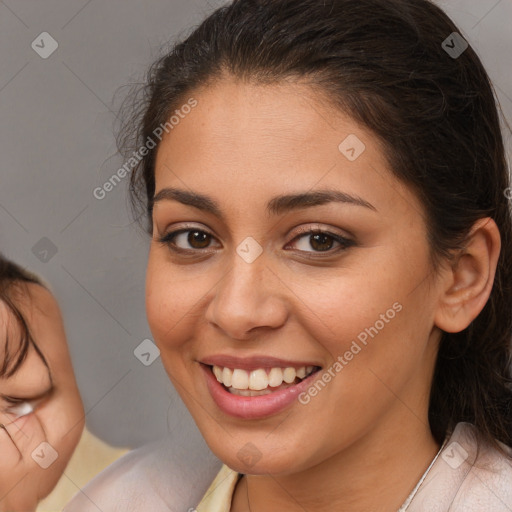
27, 434
11, 456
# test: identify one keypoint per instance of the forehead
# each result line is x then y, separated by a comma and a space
284, 119
33, 376
263, 140
9, 330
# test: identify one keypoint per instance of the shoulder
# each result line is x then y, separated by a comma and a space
91, 456
488, 484
468, 476
161, 476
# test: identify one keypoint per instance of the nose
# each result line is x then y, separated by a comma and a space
247, 300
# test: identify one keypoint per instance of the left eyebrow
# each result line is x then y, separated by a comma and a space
277, 205
285, 203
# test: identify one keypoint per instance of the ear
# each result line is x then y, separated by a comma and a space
467, 283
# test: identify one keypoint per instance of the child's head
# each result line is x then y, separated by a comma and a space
380, 108
39, 399
14, 281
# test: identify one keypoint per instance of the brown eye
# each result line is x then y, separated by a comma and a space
187, 239
198, 239
321, 241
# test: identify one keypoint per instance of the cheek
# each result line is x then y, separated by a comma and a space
377, 355
368, 321
171, 297
340, 309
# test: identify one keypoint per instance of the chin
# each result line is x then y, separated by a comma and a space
258, 458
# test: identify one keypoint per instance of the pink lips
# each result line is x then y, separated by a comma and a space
252, 407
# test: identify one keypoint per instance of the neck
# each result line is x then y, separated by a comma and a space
378, 472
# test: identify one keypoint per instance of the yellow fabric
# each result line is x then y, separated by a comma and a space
220, 493
90, 457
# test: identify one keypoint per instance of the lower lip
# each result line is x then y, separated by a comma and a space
253, 407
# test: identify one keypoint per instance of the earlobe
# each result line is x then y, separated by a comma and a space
469, 280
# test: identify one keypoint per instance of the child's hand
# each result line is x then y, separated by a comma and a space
20, 475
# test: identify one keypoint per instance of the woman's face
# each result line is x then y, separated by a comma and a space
247, 288
36, 446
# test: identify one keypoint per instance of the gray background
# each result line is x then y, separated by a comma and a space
57, 145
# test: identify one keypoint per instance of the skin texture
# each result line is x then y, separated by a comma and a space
363, 442
59, 416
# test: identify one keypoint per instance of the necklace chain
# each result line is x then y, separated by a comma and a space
409, 499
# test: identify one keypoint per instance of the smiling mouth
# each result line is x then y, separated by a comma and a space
261, 381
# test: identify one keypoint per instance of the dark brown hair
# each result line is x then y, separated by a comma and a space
383, 63
13, 281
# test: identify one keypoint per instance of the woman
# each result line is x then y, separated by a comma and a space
329, 278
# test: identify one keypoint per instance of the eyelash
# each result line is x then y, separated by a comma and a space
167, 240
15, 403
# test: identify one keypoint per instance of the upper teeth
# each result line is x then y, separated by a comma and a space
259, 379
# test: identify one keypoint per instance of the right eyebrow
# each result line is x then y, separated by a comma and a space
199, 201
